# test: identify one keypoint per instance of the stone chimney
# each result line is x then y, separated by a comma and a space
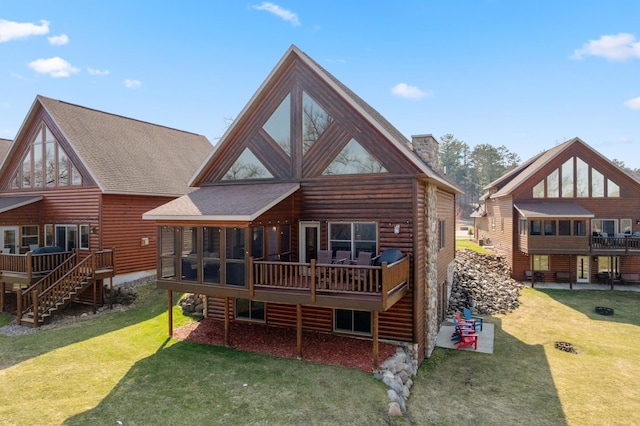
426, 147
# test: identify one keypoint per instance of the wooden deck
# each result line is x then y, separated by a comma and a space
338, 286
20, 272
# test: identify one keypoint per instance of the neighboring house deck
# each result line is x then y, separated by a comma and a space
568, 213
309, 166
79, 178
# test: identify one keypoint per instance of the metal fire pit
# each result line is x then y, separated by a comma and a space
604, 311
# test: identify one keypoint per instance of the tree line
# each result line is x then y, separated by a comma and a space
473, 169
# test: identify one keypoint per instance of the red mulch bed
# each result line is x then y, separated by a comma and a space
318, 347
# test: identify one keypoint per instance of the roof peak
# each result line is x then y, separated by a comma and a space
41, 97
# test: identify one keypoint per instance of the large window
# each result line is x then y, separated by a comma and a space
580, 228
581, 181
604, 227
351, 321
251, 310
540, 262
45, 164
29, 236
354, 237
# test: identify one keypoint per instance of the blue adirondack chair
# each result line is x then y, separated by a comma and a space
477, 321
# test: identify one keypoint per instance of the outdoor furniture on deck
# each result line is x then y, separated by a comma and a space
342, 256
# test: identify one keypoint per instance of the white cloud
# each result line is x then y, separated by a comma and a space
58, 40
412, 92
10, 30
55, 67
633, 103
132, 84
285, 14
617, 47
94, 71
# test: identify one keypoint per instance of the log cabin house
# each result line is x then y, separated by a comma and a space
309, 166
565, 215
80, 179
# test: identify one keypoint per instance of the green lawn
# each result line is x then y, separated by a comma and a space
121, 366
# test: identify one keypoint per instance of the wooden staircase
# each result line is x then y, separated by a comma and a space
56, 290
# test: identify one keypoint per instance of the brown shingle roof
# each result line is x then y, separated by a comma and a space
224, 202
129, 156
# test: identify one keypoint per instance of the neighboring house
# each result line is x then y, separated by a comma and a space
567, 214
309, 166
79, 178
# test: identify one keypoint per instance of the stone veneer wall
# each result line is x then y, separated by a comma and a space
431, 273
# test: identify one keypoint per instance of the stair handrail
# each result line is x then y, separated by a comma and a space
46, 281
50, 296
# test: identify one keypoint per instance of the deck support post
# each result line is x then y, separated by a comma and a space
170, 312
299, 331
226, 321
2, 290
376, 363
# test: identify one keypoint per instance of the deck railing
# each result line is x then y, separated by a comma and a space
328, 279
625, 243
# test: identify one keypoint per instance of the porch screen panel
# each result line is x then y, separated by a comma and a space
189, 255
167, 253
211, 248
234, 267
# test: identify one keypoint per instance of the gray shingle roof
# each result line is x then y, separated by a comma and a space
555, 209
224, 202
129, 156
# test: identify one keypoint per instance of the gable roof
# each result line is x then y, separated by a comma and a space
124, 155
528, 168
402, 144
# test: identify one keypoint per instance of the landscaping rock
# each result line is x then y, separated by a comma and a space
483, 283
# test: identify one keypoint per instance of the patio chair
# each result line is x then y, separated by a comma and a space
363, 259
459, 328
343, 256
477, 321
467, 339
324, 257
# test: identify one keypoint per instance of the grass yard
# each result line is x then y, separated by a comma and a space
470, 245
120, 366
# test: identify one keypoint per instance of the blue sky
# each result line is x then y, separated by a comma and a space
524, 74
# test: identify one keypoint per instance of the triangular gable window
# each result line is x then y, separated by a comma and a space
278, 126
354, 159
315, 121
45, 164
247, 166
